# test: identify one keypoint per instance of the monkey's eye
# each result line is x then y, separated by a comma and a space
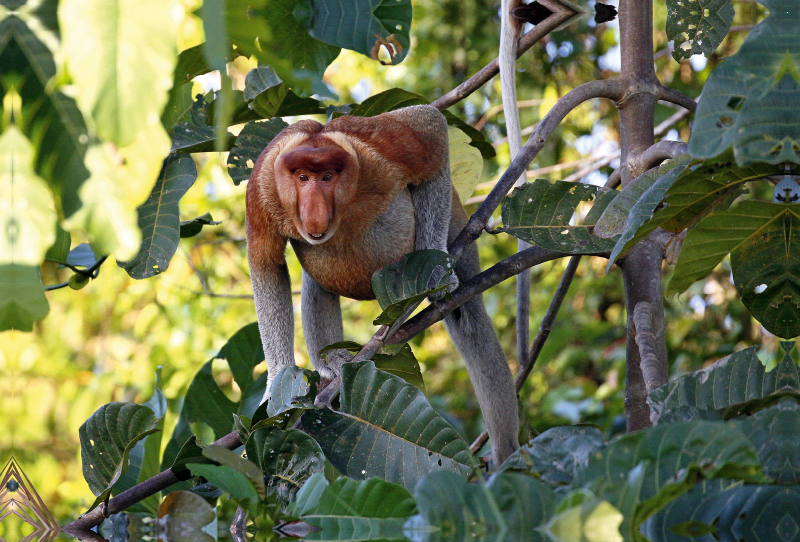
303, 178
327, 177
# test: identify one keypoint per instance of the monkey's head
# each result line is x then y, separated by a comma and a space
314, 184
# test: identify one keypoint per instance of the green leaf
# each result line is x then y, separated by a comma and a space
765, 266
349, 510
193, 133
396, 359
697, 26
386, 428
59, 252
400, 285
509, 507
748, 102
388, 100
477, 138
774, 433
293, 387
27, 208
753, 226
358, 25
22, 299
557, 454
226, 457
466, 163
250, 143
615, 216
190, 228
271, 97
540, 212
736, 384
229, 480
582, 516
130, 47
641, 472
287, 460
269, 30
159, 219
107, 438
183, 515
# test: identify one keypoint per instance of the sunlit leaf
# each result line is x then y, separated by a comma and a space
385, 428
466, 163
22, 299
749, 102
27, 209
697, 26
131, 49
540, 213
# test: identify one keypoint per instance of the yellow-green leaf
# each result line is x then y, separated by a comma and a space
27, 215
466, 163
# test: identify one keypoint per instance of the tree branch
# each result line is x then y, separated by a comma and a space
676, 97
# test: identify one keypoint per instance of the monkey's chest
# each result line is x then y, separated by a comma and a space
344, 264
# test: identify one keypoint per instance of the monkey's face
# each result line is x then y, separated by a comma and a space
313, 183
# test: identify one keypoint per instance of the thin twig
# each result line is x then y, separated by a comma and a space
542, 335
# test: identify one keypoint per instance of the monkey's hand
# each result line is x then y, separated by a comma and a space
330, 364
438, 274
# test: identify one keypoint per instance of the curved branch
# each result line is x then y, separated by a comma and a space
492, 68
677, 97
612, 89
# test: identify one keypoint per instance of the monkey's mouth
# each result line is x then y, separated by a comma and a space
317, 235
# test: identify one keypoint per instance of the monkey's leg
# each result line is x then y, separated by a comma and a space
322, 325
273, 299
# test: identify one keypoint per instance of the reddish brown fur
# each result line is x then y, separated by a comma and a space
383, 158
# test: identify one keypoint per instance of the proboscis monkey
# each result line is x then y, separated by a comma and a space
351, 197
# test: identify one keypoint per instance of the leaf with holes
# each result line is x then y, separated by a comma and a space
540, 213
410, 280
250, 143
697, 26
159, 218
286, 458
766, 264
107, 438
270, 97
386, 428
750, 101
359, 25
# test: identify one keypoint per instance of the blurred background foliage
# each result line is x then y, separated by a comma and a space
104, 343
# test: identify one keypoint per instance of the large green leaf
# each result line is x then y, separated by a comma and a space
270, 97
269, 30
231, 481
615, 216
415, 276
510, 507
159, 218
750, 101
27, 209
107, 438
466, 163
388, 100
351, 510
765, 265
22, 299
540, 213
131, 49
697, 26
641, 472
229, 458
727, 511
753, 229
250, 143
557, 454
688, 191
358, 25
386, 428
774, 432
736, 384
287, 459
